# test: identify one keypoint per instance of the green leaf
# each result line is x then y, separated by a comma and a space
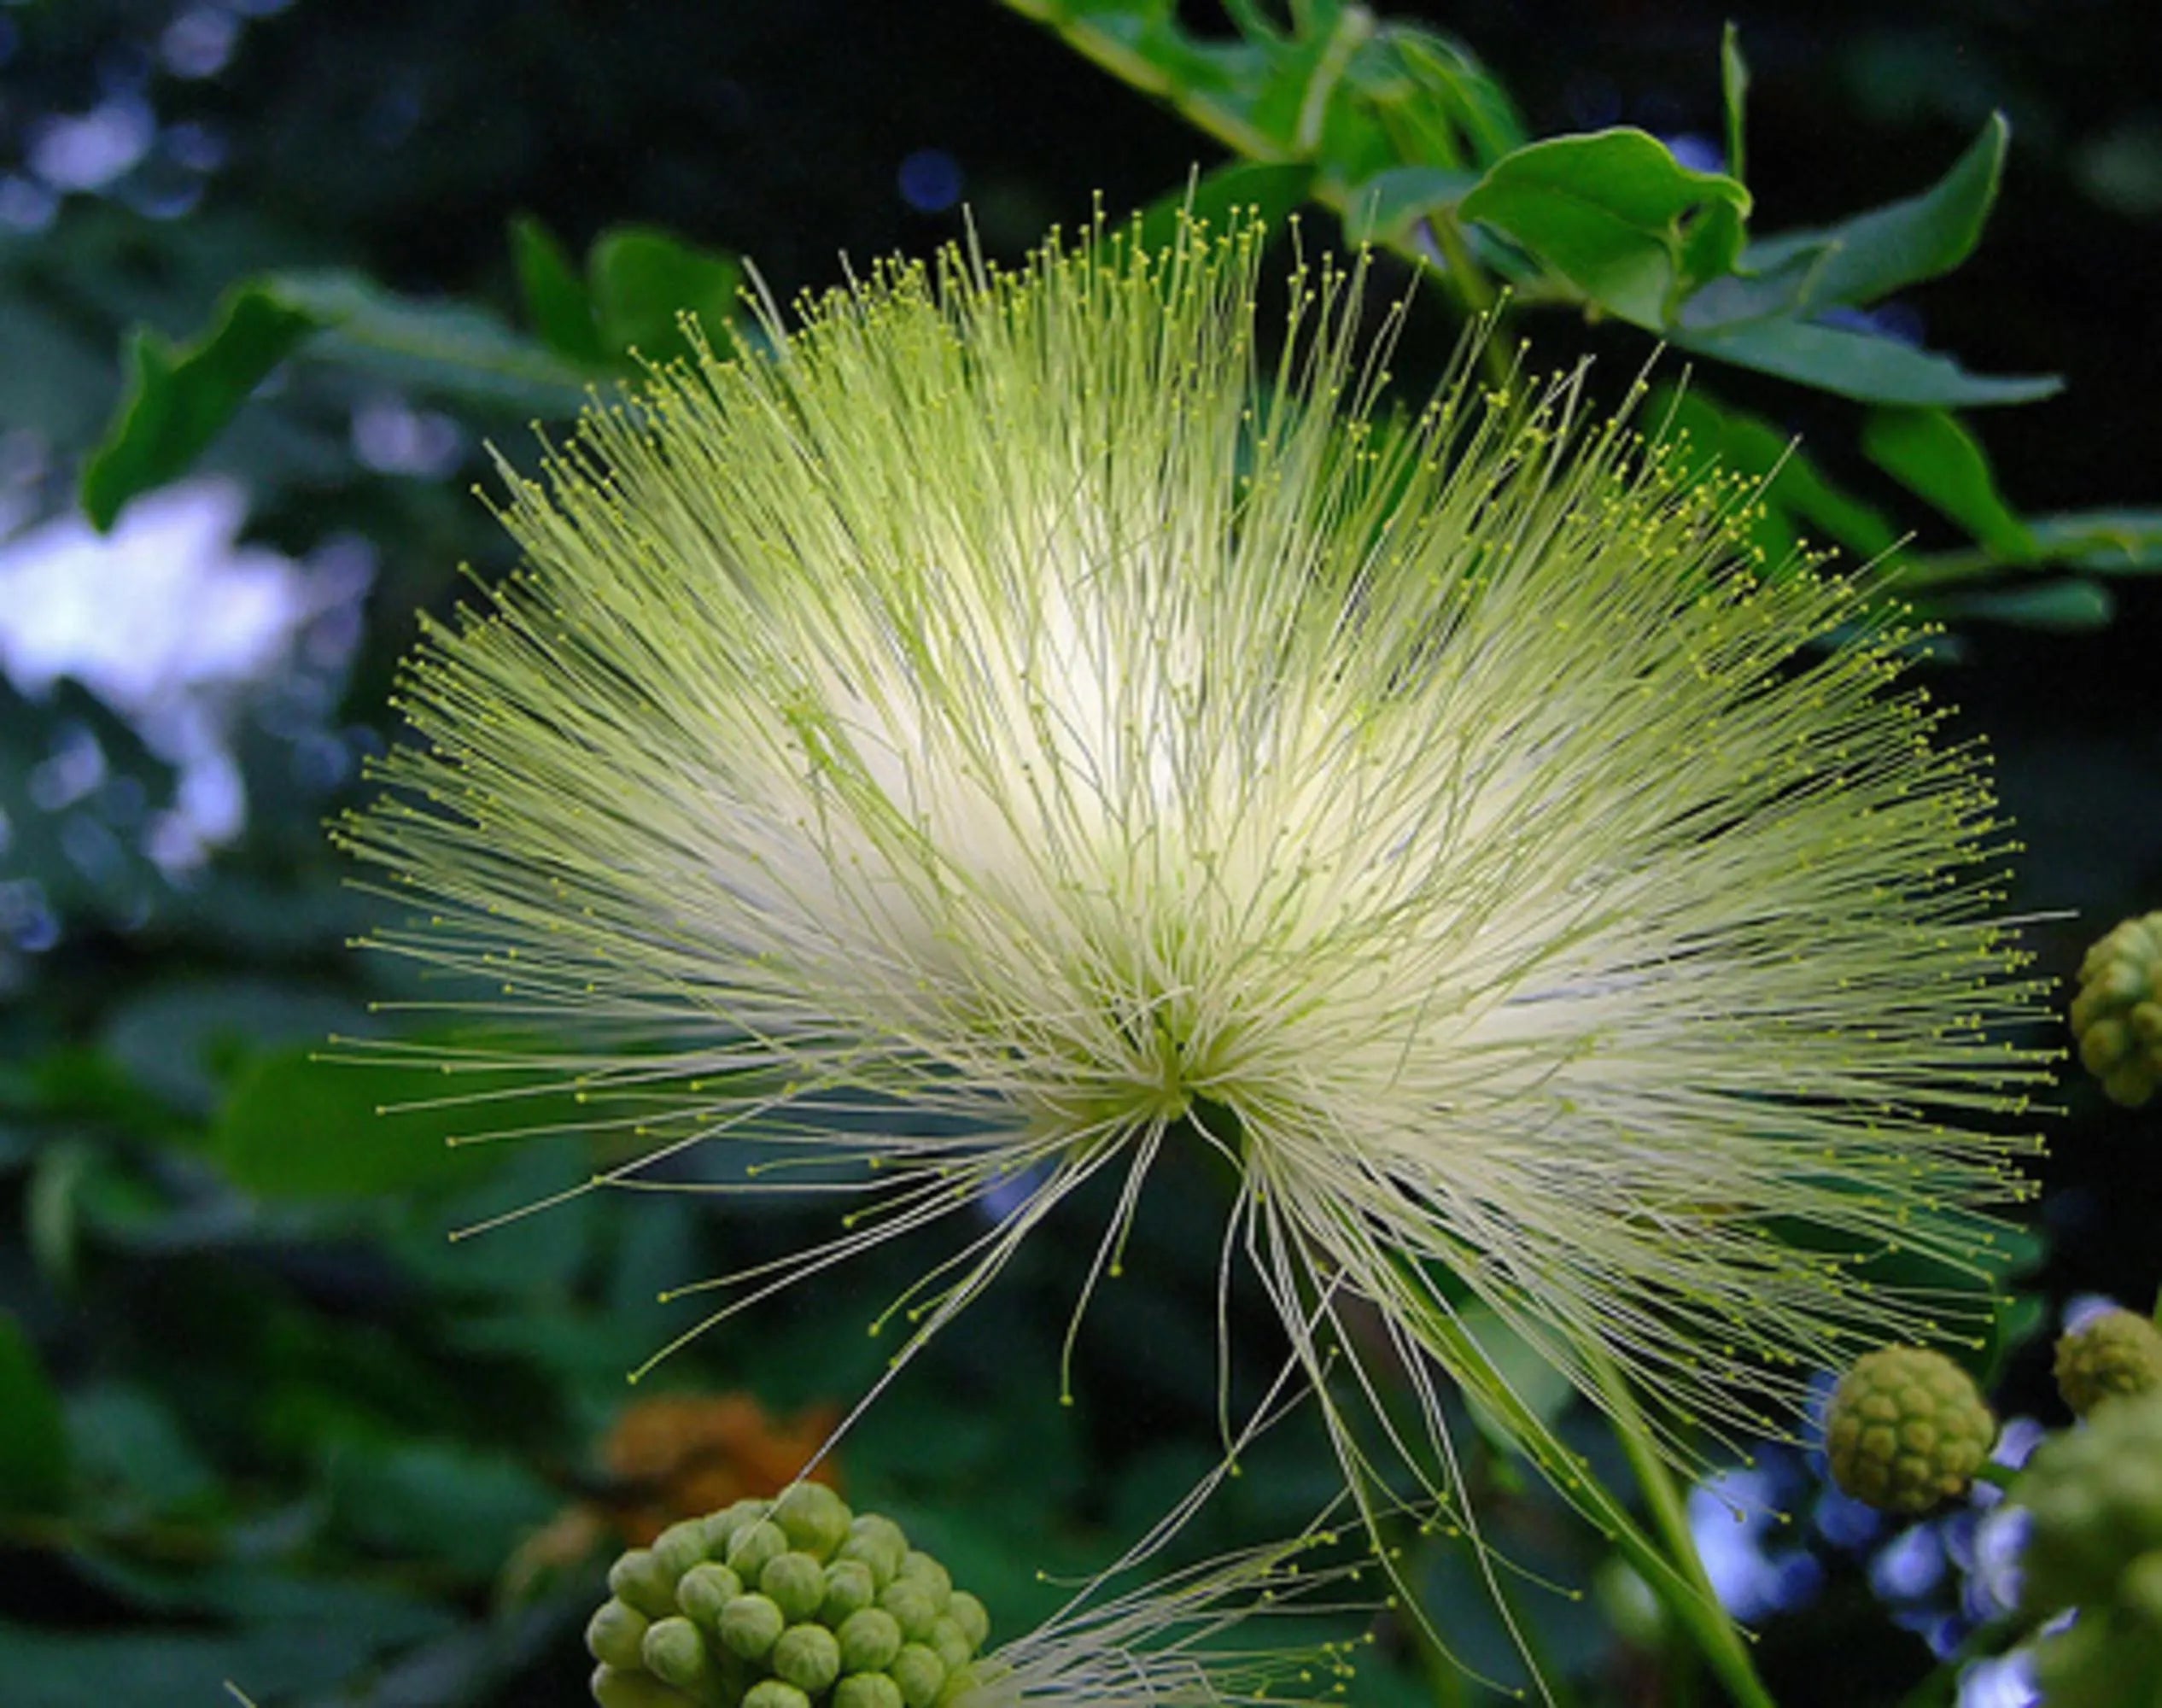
131, 1457
1942, 462
298, 1126
1733, 91
2107, 541
1271, 191
1385, 208
2068, 605
1784, 289
1904, 242
450, 350
436, 1501
179, 400
1618, 216
643, 282
558, 304
34, 1437
1437, 103
1862, 366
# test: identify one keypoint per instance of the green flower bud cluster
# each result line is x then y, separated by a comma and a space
2117, 1354
2095, 1496
793, 1603
2116, 1017
1907, 1427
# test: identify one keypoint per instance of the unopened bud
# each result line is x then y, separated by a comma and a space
1907, 1428
2116, 1354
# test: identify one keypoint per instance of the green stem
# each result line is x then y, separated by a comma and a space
1674, 1572
1137, 69
1693, 1602
1462, 277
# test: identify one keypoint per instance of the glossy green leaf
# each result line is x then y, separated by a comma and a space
1862, 366
179, 398
1733, 93
1616, 214
1272, 191
1904, 242
178, 401
34, 1437
1938, 459
643, 281
558, 304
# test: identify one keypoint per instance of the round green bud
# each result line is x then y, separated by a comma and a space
936, 1581
1907, 1428
849, 1588
704, 1590
867, 1690
970, 1614
616, 1687
2095, 1496
910, 1604
642, 1581
808, 1657
2116, 1017
797, 1583
722, 1525
2117, 1354
754, 1547
614, 1633
680, 1546
816, 1519
920, 1673
950, 1643
750, 1625
675, 1653
878, 1544
740, 1610
869, 1640
774, 1693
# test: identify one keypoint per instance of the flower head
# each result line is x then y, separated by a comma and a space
1013, 698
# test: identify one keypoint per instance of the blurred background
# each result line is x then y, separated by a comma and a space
259, 1420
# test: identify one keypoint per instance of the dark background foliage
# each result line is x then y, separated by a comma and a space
257, 1420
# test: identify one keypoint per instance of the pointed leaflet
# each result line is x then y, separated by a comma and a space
1903, 243
1618, 216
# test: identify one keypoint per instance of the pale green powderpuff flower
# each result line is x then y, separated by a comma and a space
1014, 698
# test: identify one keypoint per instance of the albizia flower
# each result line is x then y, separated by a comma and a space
1012, 699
